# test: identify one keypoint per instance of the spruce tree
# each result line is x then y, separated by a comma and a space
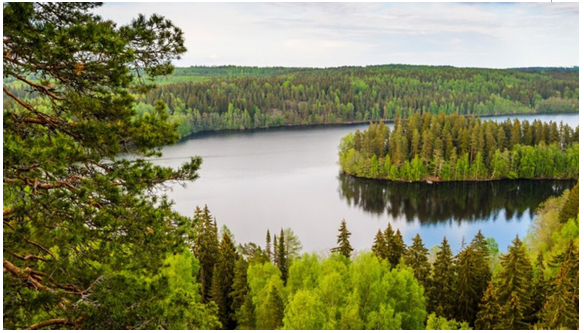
396, 247
380, 247
416, 256
513, 288
489, 310
467, 297
441, 292
275, 309
282, 258
239, 293
561, 309
223, 277
482, 268
570, 209
275, 252
538, 291
344, 247
268, 245
206, 249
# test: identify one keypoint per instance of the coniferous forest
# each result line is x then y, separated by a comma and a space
91, 242
451, 148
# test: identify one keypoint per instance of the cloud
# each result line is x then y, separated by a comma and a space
335, 34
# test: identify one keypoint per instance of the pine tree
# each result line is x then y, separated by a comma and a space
441, 292
282, 258
344, 247
416, 256
78, 74
513, 288
223, 276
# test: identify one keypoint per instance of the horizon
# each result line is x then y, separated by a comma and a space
374, 65
329, 35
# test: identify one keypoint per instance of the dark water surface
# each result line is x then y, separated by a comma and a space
278, 178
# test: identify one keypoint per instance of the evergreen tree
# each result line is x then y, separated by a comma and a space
482, 253
223, 277
513, 288
282, 258
561, 309
344, 247
416, 256
78, 73
538, 290
275, 309
268, 244
441, 292
489, 309
380, 247
467, 289
239, 294
570, 209
396, 247
275, 252
206, 249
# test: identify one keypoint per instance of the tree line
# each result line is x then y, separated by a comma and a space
396, 286
256, 99
454, 147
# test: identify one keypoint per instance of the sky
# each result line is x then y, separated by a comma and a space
493, 35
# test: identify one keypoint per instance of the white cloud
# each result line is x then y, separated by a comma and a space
334, 34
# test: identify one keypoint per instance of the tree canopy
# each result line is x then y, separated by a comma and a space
81, 216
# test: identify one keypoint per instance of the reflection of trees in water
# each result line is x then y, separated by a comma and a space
451, 201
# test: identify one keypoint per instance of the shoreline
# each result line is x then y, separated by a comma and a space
346, 123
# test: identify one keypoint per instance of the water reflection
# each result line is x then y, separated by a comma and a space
446, 202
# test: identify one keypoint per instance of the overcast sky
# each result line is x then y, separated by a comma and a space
498, 35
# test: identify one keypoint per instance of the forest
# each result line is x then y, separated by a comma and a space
533, 285
90, 241
453, 148
216, 98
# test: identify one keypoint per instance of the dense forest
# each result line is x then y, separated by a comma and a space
454, 147
395, 286
89, 241
244, 97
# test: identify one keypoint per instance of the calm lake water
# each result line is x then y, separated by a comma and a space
253, 181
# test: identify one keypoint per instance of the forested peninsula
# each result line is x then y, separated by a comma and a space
457, 148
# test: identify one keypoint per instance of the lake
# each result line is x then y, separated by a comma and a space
257, 180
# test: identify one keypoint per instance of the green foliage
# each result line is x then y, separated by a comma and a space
228, 97
436, 322
454, 148
85, 234
305, 311
570, 209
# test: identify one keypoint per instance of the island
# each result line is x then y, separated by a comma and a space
438, 147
